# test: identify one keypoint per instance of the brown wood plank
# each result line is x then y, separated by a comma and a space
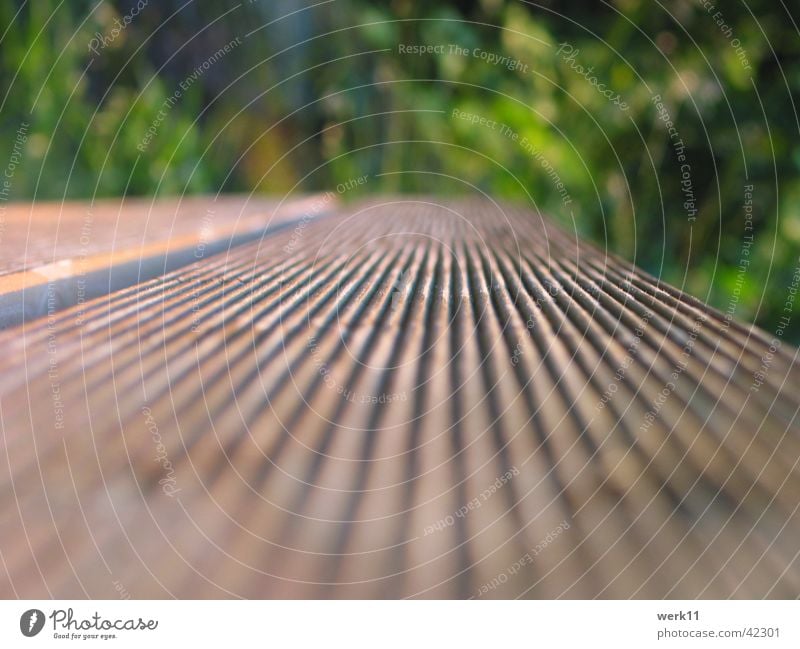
408, 398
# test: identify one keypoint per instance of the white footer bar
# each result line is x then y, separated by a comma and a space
388, 624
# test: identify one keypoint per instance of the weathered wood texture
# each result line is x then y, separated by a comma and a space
401, 398
54, 255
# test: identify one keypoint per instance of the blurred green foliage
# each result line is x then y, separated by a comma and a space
322, 92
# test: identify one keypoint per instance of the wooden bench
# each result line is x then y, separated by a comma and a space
404, 397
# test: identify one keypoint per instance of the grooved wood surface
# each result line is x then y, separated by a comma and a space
402, 398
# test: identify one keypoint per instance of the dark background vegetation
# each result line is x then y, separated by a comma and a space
321, 95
